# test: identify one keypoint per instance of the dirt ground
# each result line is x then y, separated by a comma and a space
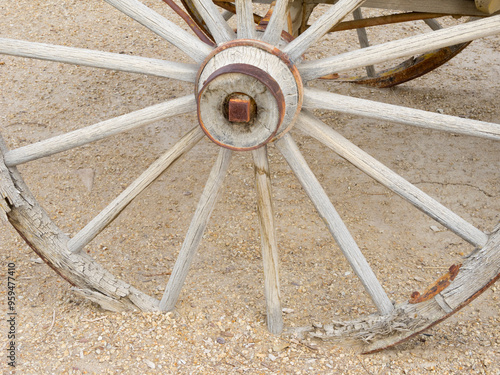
219, 322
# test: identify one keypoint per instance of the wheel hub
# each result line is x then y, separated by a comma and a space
248, 94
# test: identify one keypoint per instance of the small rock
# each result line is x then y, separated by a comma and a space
149, 363
286, 310
272, 357
221, 340
434, 228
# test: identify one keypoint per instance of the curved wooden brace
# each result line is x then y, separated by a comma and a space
411, 68
47, 240
478, 272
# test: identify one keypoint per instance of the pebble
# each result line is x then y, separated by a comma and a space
221, 340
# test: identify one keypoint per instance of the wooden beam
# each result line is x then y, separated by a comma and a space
400, 48
100, 130
196, 230
112, 210
384, 175
99, 59
334, 223
269, 242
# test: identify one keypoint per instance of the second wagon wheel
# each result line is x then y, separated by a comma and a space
250, 96
392, 73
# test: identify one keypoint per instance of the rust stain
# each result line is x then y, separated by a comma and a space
239, 110
442, 283
198, 28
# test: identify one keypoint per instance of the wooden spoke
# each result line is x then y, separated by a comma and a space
319, 28
189, 44
246, 26
106, 216
268, 240
195, 231
335, 225
433, 24
217, 25
372, 167
277, 23
403, 115
100, 130
98, 59
399, 48
227, 15
363, 40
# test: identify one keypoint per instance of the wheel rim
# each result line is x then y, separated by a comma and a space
63, 254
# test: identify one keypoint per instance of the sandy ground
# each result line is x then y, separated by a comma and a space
219, 323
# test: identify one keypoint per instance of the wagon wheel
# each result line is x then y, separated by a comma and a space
407, 70
248, 96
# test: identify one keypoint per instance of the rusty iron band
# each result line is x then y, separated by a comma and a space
262, 77
272, 50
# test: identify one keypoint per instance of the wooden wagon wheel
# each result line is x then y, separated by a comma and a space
248, 95
407, 70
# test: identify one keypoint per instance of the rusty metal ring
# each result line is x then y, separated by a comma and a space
261, 76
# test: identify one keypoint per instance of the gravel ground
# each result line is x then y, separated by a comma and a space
219, 323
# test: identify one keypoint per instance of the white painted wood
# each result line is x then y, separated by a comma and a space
277, 23
320, 27
363, 40
186, 42
98, 59
372, 167
108, 214
244, 13
409, 116
334, 223
195, 231
217, 25
100, 130
268, 240
400, 48
50, 243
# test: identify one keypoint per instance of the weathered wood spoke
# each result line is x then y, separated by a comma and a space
268, 240
195, 231
277, 22
320, 27
100, 130
244, 13
403, 115
372, 167
363, 40
189, 44
98, 59
215, 22
399, 48
335, 225
106, 216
